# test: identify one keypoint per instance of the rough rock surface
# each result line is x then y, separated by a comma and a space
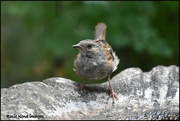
141, 95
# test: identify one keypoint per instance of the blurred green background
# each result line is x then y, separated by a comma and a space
37, 36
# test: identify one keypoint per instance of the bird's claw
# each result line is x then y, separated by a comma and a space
113, 96
81, 88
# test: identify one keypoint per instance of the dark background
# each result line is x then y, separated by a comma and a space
37, 37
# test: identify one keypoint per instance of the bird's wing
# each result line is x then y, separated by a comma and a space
100, 38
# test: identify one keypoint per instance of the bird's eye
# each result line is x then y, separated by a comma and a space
89, 46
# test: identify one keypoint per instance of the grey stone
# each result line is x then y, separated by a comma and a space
141, 95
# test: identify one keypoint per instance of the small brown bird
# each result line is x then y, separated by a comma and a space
96, 59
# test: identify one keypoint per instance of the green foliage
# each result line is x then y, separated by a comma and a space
36, 36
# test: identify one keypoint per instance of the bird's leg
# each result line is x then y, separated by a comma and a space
111, 89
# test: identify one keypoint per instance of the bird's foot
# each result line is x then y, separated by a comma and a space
113, 96
81, 88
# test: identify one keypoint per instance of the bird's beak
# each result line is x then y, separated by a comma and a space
77, 46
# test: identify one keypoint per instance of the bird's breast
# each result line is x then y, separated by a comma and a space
92, 68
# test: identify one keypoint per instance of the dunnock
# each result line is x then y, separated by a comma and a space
96, 59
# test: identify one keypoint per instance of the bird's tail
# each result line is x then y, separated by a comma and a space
100, 31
